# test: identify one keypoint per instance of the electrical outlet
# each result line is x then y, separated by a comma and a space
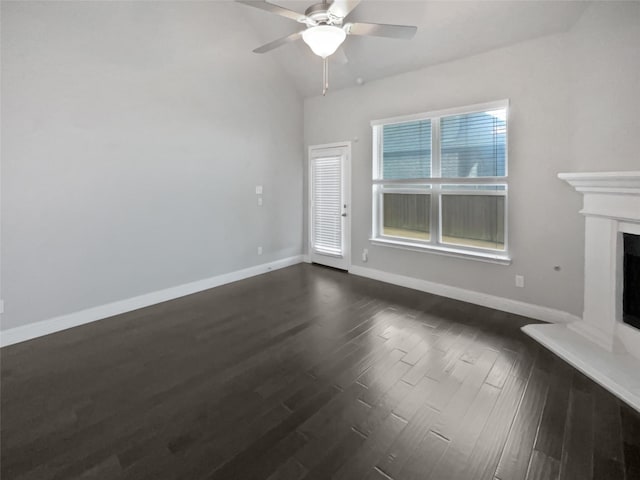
259, 250
259, 201
520, 281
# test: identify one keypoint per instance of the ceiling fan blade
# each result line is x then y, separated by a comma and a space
342, 8
279, 42
340, 57
270, 7
381, 30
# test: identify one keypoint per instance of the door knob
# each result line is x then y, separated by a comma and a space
344, 214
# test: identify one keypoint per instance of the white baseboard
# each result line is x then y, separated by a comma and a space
63, 322
537, 312
306, 258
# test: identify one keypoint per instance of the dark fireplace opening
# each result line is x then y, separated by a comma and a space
631, 280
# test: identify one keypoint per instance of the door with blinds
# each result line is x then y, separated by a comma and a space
329, 203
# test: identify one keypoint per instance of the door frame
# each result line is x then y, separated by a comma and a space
346, 192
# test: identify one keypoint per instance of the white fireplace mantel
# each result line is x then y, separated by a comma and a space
600, 344
615, 183
615, 195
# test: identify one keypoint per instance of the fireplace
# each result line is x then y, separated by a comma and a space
605, 343
631, 279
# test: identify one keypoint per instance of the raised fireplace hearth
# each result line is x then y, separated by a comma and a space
605, 343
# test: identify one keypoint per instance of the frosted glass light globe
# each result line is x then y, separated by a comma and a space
324, 40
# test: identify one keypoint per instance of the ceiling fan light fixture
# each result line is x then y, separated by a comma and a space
324, 40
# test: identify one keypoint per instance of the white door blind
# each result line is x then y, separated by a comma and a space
327, 205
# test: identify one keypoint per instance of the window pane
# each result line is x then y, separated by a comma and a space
406, 215
474, 144
473, 220
406, 150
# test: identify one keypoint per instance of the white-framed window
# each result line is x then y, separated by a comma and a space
440, 181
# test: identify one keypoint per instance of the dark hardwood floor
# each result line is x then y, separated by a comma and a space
307, 372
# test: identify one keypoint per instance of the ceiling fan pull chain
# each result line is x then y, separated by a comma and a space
325, 75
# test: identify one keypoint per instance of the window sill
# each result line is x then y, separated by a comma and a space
440, 250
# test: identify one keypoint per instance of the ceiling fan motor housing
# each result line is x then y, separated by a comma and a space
319, 13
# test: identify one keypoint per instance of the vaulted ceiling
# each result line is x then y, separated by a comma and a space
447, 30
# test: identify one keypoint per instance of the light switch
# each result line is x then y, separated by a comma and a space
258, 189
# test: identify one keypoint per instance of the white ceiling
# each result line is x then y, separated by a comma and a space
447, 30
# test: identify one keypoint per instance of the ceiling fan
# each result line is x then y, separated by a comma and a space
326, 30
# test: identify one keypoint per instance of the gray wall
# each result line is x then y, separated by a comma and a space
605, 87
134, 134
551, 115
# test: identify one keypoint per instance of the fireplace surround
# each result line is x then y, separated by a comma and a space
600, 344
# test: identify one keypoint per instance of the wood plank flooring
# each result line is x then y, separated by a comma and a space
307, 373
